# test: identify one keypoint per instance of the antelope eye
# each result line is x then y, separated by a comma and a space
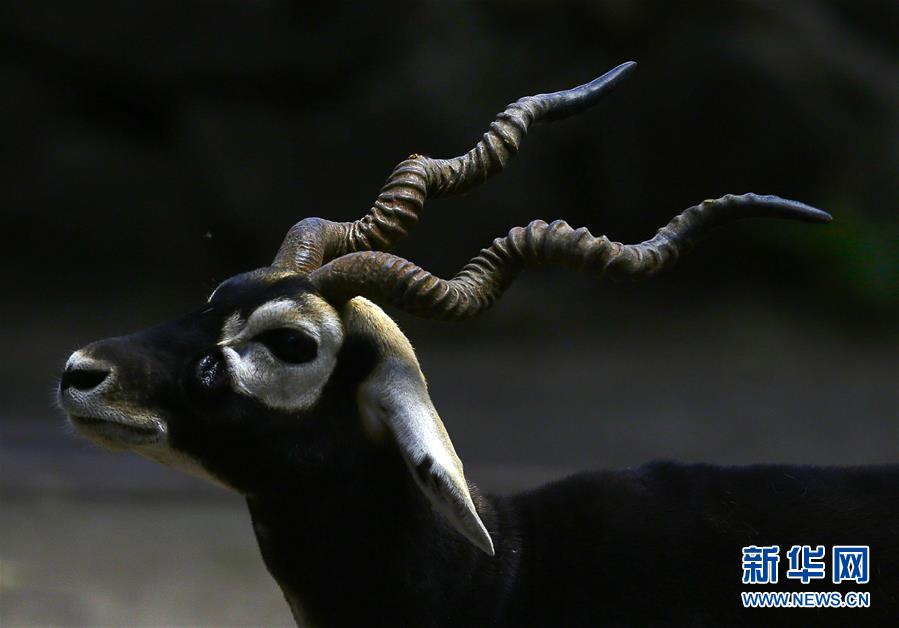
289, 345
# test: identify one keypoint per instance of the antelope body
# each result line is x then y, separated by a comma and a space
293, 387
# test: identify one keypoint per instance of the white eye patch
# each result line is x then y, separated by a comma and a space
257, 373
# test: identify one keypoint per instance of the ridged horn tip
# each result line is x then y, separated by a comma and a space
792, 210
571, 101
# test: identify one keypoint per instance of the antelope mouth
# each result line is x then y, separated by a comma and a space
114, 433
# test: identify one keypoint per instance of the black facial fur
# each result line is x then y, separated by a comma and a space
177, 370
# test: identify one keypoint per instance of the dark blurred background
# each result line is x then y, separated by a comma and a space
151, 149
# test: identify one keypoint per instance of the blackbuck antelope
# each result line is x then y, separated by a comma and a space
292, 387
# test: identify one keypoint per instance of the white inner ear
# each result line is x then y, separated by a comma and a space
255, 372
395, 398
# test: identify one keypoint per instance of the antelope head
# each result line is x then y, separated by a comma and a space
295, 365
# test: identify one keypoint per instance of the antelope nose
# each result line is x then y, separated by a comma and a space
83, 374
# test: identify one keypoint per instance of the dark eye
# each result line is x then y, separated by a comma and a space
289, 345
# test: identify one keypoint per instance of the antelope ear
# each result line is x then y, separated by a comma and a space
395, 396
